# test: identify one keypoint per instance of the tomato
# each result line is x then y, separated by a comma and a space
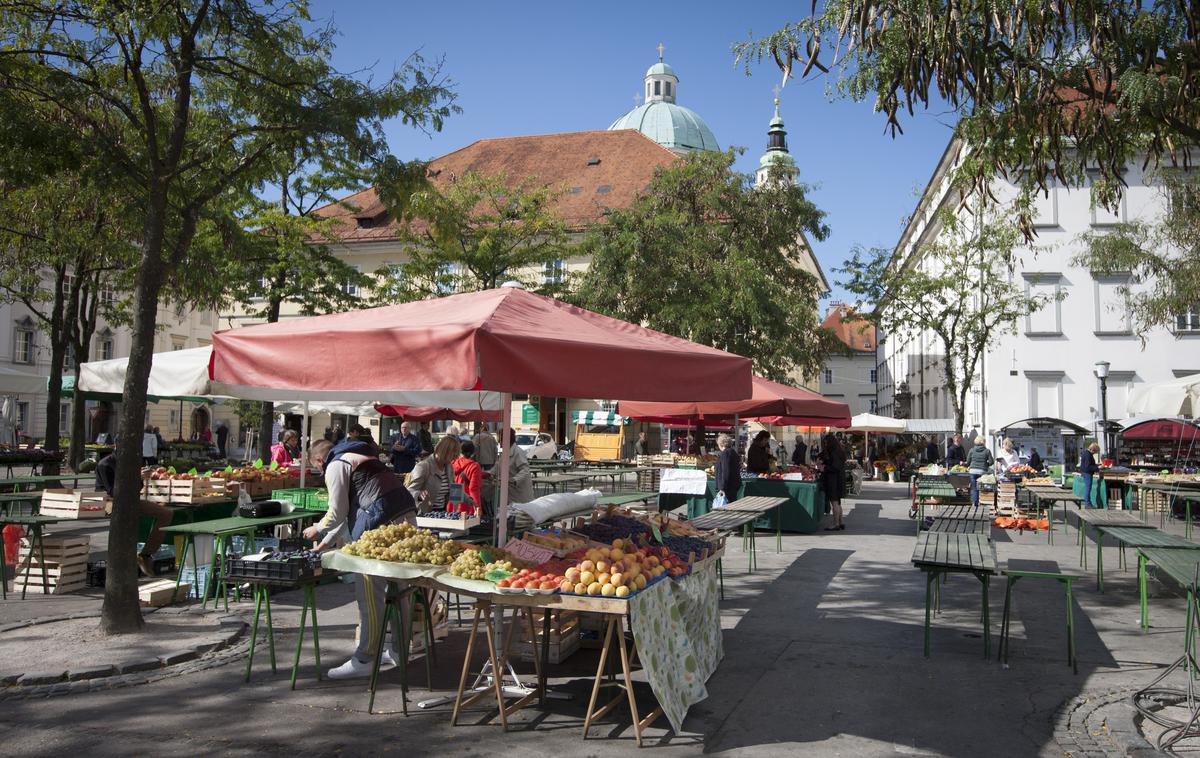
505, 582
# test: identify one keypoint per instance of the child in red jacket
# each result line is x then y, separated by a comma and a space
469, 474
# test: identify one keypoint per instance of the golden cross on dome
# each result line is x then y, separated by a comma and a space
775, 89
661, 47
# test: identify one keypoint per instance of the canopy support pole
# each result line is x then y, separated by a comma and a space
502, 505
304, 445
737, 435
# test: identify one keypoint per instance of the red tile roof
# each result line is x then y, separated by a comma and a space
626, 163
856, 333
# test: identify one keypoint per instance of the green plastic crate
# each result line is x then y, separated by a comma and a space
303, 497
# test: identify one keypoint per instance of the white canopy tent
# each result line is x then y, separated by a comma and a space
1177, 397
184, 374
13, 382
869, 422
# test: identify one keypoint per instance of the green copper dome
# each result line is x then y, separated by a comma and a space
661, 69
776, 157
670, 125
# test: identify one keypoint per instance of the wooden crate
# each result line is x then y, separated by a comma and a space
65, 568
197, 491
560, 649
73, 503
157, 490
162, 592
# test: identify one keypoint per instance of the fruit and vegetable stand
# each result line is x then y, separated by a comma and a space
675, 624
803, 511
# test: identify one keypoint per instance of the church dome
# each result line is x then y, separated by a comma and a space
662, 119
672, 126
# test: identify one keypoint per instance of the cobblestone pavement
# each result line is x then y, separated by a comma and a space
822, 657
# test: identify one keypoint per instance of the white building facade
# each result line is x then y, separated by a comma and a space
1045, 367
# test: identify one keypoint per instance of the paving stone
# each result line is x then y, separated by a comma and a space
91, 673
180, 657
41, 677
144, 665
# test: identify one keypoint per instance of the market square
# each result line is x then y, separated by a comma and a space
368, 389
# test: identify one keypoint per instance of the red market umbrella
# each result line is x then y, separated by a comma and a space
433, 413
771, 402
505, 340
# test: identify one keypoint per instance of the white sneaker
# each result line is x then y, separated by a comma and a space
356, 669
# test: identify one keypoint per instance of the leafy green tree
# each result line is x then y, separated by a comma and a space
704, 255
190, 102
65, 242
1163, 255
1066, 92
955, 288
476, 233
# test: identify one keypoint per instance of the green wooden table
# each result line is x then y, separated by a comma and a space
1068, 581
743, 513
1095, 517
33, 526
803, 511
1046, 498
1137, 537
552, 481
17, 482
221, 530
625, 498
1180, 565
927, 491
962, 526
939, 554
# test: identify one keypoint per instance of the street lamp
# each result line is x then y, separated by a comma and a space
1101, 372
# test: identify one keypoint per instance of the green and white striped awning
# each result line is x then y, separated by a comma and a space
600, 418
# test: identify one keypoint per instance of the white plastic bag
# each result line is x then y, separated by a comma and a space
720, 501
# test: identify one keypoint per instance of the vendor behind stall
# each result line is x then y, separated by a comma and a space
758, 456
430, 482
363, 494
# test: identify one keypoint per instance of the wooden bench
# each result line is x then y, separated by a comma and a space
940, 553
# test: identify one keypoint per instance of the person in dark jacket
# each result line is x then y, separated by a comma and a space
931, 451
1035, 460
363, 434
758, 455
833, 479
979, 462
729, 468
222, 438
363, 494
406, 448
1088, 468
955, 453
800, 452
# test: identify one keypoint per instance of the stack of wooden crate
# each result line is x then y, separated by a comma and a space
647, 481
198, 491
1006, 499
564, 637
65, 569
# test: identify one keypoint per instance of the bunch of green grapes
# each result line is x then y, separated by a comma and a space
468, 565
500, 565
404, 543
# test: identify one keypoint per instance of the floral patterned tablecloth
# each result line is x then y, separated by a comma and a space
678, 634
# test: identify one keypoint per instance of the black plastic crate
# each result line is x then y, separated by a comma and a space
291, 570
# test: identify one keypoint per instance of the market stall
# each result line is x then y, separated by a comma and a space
1159, 444
669, 601
505, 340
802, 513
599, 435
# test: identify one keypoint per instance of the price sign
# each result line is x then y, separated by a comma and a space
258, 463
529, 552
274, 465
485, 555
193, 472
657, 534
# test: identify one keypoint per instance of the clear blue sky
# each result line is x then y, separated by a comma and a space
535, 67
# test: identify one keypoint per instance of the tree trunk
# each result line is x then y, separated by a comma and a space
85, 327
58, 354
266, 425
266, 421
121, 613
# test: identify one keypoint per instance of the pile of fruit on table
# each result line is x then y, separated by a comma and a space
620, 556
